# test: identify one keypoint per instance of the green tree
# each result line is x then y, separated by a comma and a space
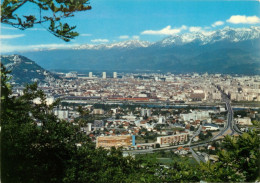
182, 171
238, 161
82, 120
202, 136
50, 12
38, 147
35, 144
178, 171
192, 128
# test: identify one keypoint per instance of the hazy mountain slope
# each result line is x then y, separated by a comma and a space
228, 50
24, 70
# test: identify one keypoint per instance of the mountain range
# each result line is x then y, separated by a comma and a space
228, 50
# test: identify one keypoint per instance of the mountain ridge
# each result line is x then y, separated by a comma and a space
200, 37
237, 48
227, 34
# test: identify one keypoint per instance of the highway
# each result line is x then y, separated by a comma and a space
230, 127
195, 134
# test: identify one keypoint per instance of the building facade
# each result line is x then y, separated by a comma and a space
172, 139
115, 141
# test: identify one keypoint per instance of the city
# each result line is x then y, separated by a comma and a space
149, 112
129, 91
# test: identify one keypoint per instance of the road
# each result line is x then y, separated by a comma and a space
195, 134
229, 125
197, 157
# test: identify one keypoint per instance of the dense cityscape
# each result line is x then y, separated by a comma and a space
147, 112
129, 91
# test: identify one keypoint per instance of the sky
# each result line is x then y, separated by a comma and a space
148, 20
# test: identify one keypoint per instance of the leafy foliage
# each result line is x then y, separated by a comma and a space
50, 11
238, 161
35, 145
38, 147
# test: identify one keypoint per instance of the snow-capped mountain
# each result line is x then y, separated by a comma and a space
200, 38
203, 38
124, 44
229, 50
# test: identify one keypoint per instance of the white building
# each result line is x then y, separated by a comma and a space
90, 74
129, 117
89, 127
115, 75
243, 121
71, 75
61, 113
104, 75
172, 139
161, 119
195, 115
146, 112
211, 127
98, 111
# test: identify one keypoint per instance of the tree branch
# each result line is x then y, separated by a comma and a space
18, 6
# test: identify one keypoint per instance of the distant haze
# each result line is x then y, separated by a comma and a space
229, 50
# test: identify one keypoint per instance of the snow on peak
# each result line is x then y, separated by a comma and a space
129, 44
209, 37
123, 44
199, 37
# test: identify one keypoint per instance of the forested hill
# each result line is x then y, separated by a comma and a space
24, 70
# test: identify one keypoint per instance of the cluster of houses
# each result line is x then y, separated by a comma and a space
168, 130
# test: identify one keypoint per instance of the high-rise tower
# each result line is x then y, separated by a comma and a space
104, 75
114, 74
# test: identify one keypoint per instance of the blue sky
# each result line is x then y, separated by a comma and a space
118, 20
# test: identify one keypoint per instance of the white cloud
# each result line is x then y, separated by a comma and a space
217, 23
207, 28
36, 29
8, 28
11, 36
242, 19
85, 35
124, 37
195, 29
165, 31
30, 29
135, 37
100, 40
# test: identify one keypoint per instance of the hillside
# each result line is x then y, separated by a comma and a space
24, 70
